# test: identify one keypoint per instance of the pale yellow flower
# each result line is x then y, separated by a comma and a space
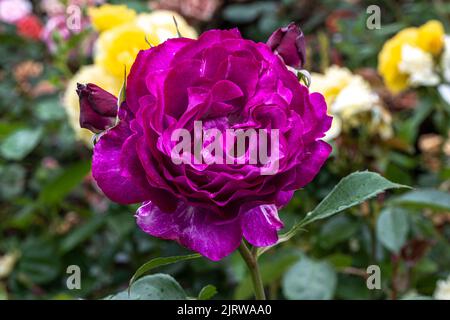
87, 74
108, 16
331, 82
352, 102
7, 263
160, 23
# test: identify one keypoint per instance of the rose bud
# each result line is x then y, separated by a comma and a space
289, 43
98, 108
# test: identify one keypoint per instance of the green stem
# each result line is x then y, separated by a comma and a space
252, 264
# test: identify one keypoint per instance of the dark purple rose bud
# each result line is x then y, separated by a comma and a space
289, 43
98, 108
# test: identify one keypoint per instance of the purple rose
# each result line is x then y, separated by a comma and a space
98, 108
226, 82
289, 43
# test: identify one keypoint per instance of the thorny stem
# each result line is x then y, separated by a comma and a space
252, 264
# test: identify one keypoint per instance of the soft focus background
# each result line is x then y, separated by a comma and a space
52, 215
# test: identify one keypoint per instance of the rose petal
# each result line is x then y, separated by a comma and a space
260, 225
193, 227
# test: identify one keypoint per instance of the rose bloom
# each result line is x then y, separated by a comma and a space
108, 16
394, 58
226, 82
352, 102
29, 27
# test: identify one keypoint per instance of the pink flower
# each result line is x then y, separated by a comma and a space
29, 27
57, 25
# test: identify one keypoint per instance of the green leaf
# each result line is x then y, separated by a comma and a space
20, 143
82, 233
350, 191
153, 287
415, 296
64, 183
309, 280
340, 260
245, 13
12, 181
409, 128
392, 228
424, 198
336, 230
158, 262
121, 97
207, 292
49, 110
39, 262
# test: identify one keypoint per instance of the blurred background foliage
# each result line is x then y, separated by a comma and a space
52, 215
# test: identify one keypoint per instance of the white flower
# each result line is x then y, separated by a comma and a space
350, 99
419, 65
445, 60
442, 291
161, 23
444, 91
355, 98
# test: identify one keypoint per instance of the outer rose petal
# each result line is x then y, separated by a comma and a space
153, 59
310, 166
108, 172
260, 225
193, 227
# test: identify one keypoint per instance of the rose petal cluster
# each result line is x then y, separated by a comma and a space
226, 82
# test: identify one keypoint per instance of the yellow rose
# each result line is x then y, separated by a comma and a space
160, 23
390, 56
119, 46
94, 74
108, 16
428, 38
431, 37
